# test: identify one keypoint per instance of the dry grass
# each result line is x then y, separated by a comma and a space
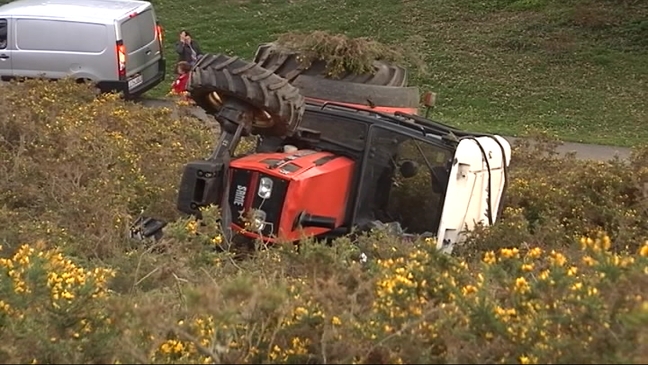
75, 289
344, 54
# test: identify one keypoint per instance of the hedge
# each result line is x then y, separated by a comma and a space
561, 278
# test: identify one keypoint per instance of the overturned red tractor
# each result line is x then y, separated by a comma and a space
324, 169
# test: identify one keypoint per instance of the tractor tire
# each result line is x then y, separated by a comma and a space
284, 63
264, 91
386, 87
361, 94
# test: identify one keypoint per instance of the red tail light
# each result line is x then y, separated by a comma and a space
121, 60
158, 33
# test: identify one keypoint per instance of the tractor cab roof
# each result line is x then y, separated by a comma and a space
349, 126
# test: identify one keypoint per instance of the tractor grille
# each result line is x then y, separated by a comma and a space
243, 197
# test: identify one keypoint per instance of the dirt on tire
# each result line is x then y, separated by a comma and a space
287, 64
217, 77
386, 86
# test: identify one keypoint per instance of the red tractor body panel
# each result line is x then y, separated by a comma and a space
313, 182
381, 109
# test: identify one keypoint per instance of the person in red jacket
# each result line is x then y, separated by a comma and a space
179, 86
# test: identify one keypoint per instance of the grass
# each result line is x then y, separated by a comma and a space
578, 69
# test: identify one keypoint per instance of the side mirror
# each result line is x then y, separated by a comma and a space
409, 168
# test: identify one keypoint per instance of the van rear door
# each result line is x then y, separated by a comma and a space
139, 37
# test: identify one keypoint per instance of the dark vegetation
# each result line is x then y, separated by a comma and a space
560, 279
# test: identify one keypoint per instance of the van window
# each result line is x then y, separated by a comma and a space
61, 36
139, 31
3, 34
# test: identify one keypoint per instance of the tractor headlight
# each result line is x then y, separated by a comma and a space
258, 220
265, 187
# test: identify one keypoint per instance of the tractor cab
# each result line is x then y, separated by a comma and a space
324, 169
368, 168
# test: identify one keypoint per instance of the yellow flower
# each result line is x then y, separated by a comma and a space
557, 258
336, 321
606, 242
527, 359
509, 252
191, 226
468, 289
643, 251
490, 257
534, 253
505, 314
300, 312
586, 242
521, 285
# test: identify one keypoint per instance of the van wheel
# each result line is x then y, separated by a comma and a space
95, 89
277, 105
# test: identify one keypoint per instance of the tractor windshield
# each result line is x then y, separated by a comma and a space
387, 195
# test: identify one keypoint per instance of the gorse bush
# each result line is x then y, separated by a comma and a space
60, 303
553, 200
412, 305
85, 165
560, 278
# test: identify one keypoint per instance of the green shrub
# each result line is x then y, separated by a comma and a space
544, 285
84, 166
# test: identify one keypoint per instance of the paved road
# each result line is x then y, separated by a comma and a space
583, 151
590, 151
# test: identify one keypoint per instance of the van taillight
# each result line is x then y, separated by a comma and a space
158, 33
121, 60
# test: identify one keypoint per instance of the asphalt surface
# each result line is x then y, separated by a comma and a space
582, 150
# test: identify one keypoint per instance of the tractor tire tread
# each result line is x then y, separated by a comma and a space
233, 77
284, 63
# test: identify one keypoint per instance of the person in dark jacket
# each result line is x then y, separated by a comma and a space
188, 49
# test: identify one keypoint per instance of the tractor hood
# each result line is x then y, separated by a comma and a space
475, 189
281, 187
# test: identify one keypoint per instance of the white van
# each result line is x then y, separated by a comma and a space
116, 44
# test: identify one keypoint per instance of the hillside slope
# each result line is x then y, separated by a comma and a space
578, 68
